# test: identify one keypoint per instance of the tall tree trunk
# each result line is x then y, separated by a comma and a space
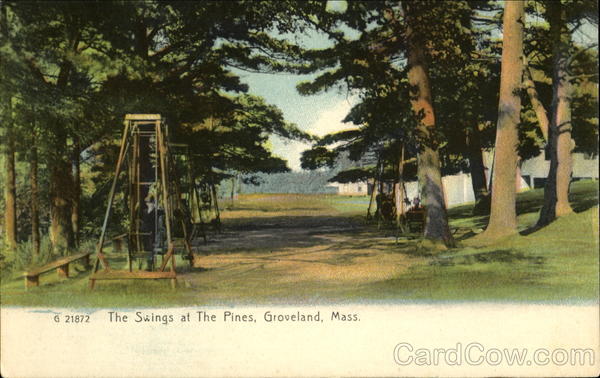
381, 196
141, 38
372, 198
478, 177
380, 192
214, 203
61, 230
477, 167
33, 178
399, 188
556, 191
61, 183
536, 104
380, 178
76, 200
10, 189
8, 150
503, 215
232, 189
430, 178
213, 189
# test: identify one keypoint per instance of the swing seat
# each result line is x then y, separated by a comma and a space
416, 220
127, 275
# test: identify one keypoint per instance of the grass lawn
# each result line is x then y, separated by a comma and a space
305, 249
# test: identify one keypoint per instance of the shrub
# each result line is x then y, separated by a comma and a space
7, 259
22, 259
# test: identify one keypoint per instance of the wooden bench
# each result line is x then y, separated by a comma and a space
127, 275
32, 277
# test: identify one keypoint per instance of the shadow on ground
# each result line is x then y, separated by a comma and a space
268, 234
487, 257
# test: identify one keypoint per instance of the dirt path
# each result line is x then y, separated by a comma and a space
277, 233
309, 252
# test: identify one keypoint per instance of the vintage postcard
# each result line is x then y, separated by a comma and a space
299, 188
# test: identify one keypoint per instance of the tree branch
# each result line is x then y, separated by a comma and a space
578, 53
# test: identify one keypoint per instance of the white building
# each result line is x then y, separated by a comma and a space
534, 171
352, 188
459, 190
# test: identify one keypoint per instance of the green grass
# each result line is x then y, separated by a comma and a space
558, 263
295, 204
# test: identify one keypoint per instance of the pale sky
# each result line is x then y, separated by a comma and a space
318, 114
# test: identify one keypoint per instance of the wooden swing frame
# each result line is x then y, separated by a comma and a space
156, 127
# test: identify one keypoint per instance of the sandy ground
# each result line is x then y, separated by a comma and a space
293, 250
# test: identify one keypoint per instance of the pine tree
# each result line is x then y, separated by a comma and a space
503, 216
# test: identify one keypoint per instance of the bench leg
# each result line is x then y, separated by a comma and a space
118, 245
173, 283
32, 281
92, 284
63, 271
86, 261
